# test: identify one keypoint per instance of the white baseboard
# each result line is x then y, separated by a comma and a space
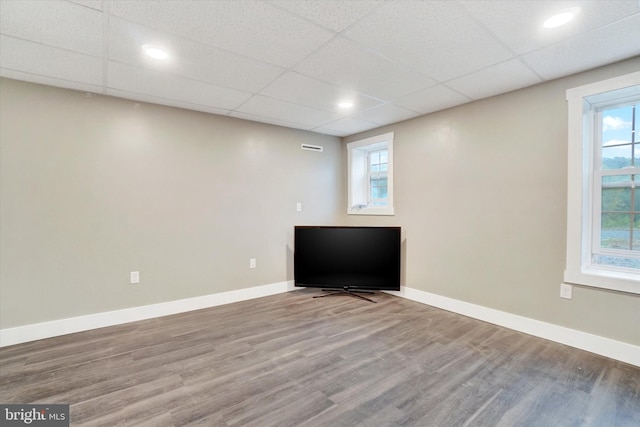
37, 331
607, 347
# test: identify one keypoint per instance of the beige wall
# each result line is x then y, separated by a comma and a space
480, 191
94, 187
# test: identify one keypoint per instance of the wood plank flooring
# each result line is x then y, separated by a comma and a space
291, 360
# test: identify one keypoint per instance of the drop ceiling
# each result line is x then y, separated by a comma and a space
290, 62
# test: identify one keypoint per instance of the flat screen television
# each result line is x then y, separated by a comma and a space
349, 258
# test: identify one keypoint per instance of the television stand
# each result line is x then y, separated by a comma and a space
346, 291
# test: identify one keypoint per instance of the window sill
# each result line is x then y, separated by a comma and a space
371, 211
605, 279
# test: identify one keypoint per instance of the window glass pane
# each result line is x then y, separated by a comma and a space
383, 192
616, 199
615, 231
616, 157
617, 137
616, 125
608, 181
383, 157
374, 158
617, 261
375, 193
378, 188
635, 241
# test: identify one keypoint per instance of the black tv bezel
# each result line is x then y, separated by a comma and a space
347, 286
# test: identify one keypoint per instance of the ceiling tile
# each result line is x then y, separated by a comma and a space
347, 126
188, 58
50, 81
254, 29
500, 78
345, 64
288, 62
41, 60
387, 113
436, 37
299, 89
162, 85
286, 111
270, 120
54, 23
599, 47
332, 132
336, 15
164, 101
432, 99
93, 4
518, 24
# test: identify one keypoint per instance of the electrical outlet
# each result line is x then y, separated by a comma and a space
135, 277
252, 263
299, 207
566, 291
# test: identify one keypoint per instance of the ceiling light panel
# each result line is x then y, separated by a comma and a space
561, 18
155, 52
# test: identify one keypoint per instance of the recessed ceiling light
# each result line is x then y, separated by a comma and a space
155, 52
561, 18
345, 104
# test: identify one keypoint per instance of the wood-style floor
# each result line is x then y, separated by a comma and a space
291, 360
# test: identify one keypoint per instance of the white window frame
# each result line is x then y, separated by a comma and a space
358, 177
582, 197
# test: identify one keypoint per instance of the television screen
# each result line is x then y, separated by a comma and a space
347, 257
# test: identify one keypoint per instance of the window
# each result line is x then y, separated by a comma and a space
616, 207
603, 208
370, 163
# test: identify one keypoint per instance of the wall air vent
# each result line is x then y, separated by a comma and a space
312, 147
